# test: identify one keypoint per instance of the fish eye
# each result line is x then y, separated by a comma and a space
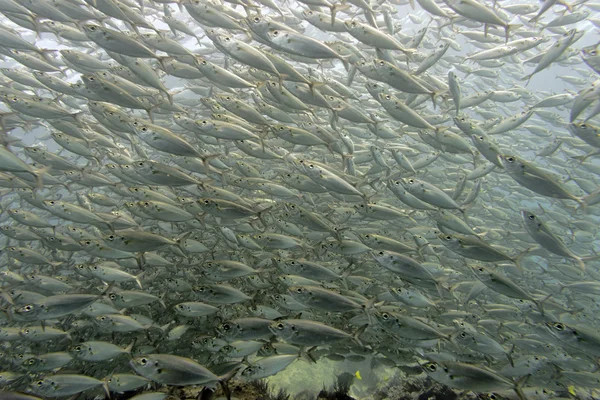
387, 97
432, 367
299, 290
463, 335
280, 326
143, 361
531, 217
583, 126
40, 383
275, 33
510, 159
481, 138
382, 63
256, 19
226, 327
385, 316
559, 327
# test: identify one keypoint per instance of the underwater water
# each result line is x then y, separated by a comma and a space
300, 199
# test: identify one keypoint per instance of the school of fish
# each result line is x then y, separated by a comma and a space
200, 191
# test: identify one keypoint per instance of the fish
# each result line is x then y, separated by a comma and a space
209, 192
546, 238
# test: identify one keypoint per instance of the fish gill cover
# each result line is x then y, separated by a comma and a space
349, 199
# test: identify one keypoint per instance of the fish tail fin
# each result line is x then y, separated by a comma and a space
314, 85
580, 263
137, 279
169, 96
307, 356
335, 8
39, 177
539, 304
357, 333
562, 287
508, 28
567, 5
127, 350
595, 256
509, 356
105, 386
519, 387
517, 260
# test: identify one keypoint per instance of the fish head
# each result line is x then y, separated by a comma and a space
91, 29
27, 310
449, 240
145, 365
249, 372
384, 318
560, 330
44, 386
310, 15
512, 163
480, 271
78, 350
299, 292
435, 370
529, 219
229, 329
352, 24
382, 257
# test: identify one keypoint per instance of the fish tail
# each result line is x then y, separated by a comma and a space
539, 304
508, 28
39, 177
519, 387
567, 5
105, 386
335, 8
583, 205
130, 347
580, 263
509, 356
517, 260
356, 335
